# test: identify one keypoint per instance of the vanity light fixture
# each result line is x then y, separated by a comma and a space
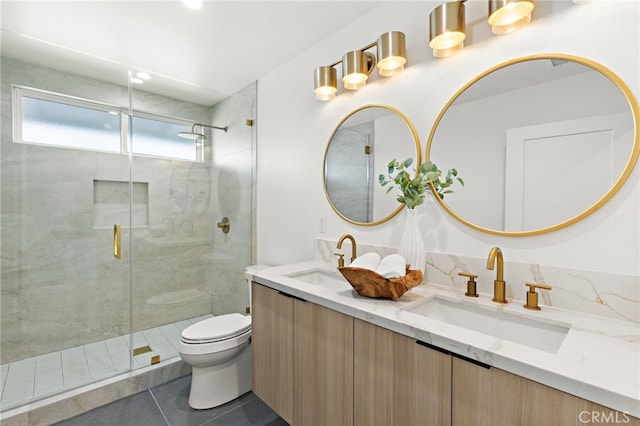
446, 29
325, 82
392, 53
357, 65
447, 22
506, 16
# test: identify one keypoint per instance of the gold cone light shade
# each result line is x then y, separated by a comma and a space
356, 67
392, 54
446, 29
325, 82
506, 16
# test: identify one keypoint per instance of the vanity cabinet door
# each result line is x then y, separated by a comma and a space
397, 381
272, 340
323, 366
490, 396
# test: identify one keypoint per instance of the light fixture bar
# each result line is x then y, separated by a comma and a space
357, 65
368, 46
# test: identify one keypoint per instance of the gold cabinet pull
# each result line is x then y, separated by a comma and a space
117, 242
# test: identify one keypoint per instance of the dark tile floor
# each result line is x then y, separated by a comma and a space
167, 405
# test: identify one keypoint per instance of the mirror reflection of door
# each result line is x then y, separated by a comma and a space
549, 163
542, 142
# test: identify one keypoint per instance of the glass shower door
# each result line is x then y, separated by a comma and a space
171, 227
65, 314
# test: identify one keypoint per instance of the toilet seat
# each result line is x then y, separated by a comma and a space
216, 329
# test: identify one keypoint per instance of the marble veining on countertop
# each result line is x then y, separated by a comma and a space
598, 360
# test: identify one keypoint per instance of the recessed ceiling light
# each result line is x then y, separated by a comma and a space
193, 4
143, 75
137, 80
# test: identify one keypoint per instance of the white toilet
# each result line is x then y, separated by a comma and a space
219, 352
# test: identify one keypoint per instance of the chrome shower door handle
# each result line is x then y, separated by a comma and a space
117, 242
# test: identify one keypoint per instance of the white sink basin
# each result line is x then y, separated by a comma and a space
323, 277
494, 322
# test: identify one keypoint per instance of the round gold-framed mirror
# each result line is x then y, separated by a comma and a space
359, 149
542, 141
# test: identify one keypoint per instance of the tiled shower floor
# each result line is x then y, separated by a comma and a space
45, 375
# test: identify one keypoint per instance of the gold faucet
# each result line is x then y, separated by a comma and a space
532, 296
499, 286
353, 244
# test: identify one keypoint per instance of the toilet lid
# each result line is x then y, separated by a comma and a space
217, 328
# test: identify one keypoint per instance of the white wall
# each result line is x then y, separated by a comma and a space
293, 129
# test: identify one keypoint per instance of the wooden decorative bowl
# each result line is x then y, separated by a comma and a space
371, 284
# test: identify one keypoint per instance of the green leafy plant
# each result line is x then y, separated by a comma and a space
414, 187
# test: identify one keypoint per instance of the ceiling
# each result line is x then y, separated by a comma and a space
212, 52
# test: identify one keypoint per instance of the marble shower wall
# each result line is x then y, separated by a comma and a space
610, 295
60, 284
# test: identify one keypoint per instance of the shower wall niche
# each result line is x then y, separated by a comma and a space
114, 201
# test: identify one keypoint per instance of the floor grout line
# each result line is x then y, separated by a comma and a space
159, 408
226, 412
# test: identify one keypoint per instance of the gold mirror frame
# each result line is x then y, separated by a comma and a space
417, 160
633, 157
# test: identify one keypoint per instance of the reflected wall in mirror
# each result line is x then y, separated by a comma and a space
543, 141
359, 149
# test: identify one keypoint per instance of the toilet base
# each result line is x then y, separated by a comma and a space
218, 384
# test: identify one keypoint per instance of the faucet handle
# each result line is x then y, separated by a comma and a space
532, 296
471, 284
340, 259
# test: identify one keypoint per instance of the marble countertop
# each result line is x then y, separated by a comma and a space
598, 360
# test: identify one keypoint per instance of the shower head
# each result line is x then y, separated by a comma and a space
199, 135
191, 135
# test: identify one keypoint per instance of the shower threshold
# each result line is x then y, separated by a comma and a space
43, 376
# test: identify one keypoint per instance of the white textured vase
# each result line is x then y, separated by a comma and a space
412, 245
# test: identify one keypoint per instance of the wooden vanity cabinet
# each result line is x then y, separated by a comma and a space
400, 381
303, 359
315, 366
490, 396
322, 366
397, 381
272, 340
